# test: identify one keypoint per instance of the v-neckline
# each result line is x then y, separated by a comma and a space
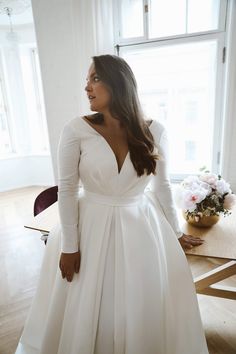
109, 146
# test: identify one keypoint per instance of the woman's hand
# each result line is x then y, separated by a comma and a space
188, 241
69, 264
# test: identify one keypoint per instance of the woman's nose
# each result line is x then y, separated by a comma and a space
87, 87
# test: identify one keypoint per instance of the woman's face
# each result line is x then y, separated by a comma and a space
98, 95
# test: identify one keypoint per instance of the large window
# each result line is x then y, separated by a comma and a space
34, 100
23, 128
176, 50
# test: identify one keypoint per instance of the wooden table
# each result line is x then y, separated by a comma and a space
220, 242
44, 221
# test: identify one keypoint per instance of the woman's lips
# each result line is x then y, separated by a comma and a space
90, 97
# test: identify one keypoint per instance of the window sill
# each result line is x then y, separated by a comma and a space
22, 156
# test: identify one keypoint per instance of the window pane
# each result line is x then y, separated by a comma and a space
203, 15
5, 140
177, 87
34, 100
131, 18
167, 17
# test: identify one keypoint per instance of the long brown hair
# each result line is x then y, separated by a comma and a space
118, 77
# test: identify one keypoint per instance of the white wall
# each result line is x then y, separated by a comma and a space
25, 171
57, 37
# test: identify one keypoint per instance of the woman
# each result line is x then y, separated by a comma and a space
123, 284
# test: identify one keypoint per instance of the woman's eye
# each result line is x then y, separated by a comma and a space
96, 79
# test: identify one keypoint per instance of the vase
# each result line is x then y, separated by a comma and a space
204, 221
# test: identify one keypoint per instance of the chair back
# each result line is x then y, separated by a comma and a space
45, 199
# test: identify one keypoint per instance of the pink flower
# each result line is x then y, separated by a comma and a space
229, 201
191, 198
209, 178
203, 195
223, 187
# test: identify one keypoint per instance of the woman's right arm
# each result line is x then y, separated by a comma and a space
68, 182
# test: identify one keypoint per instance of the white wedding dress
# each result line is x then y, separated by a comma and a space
134, 292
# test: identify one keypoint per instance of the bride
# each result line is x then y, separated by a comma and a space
114, 278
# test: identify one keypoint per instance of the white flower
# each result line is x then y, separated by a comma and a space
207, 187
229, 201
191, 198
191, 182
223, 187
209, 178
194, 183
202, 195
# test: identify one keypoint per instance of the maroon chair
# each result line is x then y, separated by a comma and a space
43, 201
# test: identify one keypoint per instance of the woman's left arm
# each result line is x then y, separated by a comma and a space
161, 187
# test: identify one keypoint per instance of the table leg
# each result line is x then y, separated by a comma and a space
206, 283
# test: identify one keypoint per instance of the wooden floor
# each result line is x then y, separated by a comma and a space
21, 252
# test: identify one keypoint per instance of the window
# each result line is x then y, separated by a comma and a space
5, 138
150, 19
168, 17
34, 100
23, 128
178, 66
131, 9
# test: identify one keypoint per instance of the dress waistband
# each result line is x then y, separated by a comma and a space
112, 200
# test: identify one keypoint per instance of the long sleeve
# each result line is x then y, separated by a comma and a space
160, 183
68, 182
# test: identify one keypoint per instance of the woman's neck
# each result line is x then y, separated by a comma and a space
110, 121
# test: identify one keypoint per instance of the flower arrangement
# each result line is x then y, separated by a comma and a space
205, 195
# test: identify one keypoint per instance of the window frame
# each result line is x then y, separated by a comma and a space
41, 114
145, 38
10, 124
218, 35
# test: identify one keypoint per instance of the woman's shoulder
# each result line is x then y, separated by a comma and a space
76, 124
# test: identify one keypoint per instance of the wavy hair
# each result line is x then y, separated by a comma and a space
125, 106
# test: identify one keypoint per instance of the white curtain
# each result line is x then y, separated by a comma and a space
93, 24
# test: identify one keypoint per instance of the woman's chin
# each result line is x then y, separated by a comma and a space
93, 108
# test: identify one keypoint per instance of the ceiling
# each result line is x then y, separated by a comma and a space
24, 18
